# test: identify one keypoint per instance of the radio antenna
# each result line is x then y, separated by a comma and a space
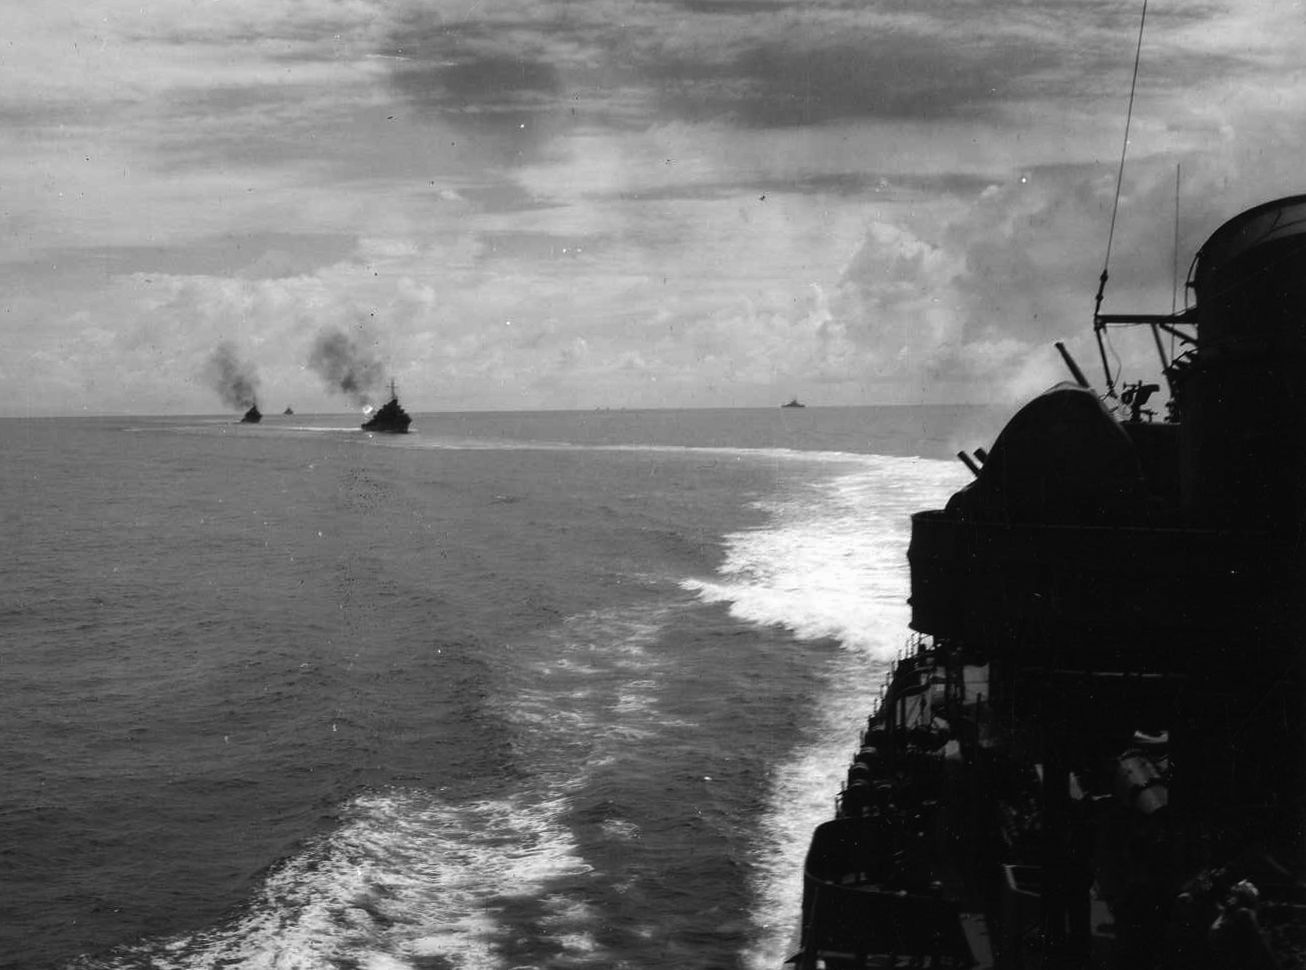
1174, 290
1174, 287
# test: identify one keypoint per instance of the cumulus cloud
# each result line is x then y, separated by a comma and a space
704, 201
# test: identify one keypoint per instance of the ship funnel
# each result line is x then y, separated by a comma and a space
1245, 390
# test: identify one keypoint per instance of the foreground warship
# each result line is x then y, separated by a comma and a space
389, 418
1092, 752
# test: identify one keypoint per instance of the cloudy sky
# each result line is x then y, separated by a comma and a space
612, 203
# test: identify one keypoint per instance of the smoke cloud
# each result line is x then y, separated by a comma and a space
345, 366
235, 380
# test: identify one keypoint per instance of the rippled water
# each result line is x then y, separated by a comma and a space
555, 690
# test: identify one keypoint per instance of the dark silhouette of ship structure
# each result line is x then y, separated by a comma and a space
793, 403
252, 416
389, 418
1093, 751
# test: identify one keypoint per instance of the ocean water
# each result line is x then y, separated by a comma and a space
516, 690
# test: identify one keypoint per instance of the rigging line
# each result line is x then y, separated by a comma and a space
1115, 210
1120, 364
1124, 148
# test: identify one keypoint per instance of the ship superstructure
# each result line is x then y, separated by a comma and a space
1093, 753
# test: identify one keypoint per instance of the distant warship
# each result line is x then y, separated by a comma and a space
389, 418
288, 411
252, 416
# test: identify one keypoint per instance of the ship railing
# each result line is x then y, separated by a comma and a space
863, 923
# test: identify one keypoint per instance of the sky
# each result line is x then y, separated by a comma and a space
614, 203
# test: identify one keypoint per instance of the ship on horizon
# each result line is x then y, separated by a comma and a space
252, 416
793, 403
389, 418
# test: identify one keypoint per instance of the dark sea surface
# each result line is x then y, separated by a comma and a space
560, 689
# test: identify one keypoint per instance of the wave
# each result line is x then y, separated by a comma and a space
726, 451
445, 442
405, 879
410, 880
614, 722
831, 559
829, 563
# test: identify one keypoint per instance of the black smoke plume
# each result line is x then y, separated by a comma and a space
345, 366
234, 379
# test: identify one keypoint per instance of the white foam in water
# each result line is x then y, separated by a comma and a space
408, 876
613, 698
405, 876
832, 560
829, 563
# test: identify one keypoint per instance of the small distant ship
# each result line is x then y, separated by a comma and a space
389, 418
288, 411
252, 416
794, 403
